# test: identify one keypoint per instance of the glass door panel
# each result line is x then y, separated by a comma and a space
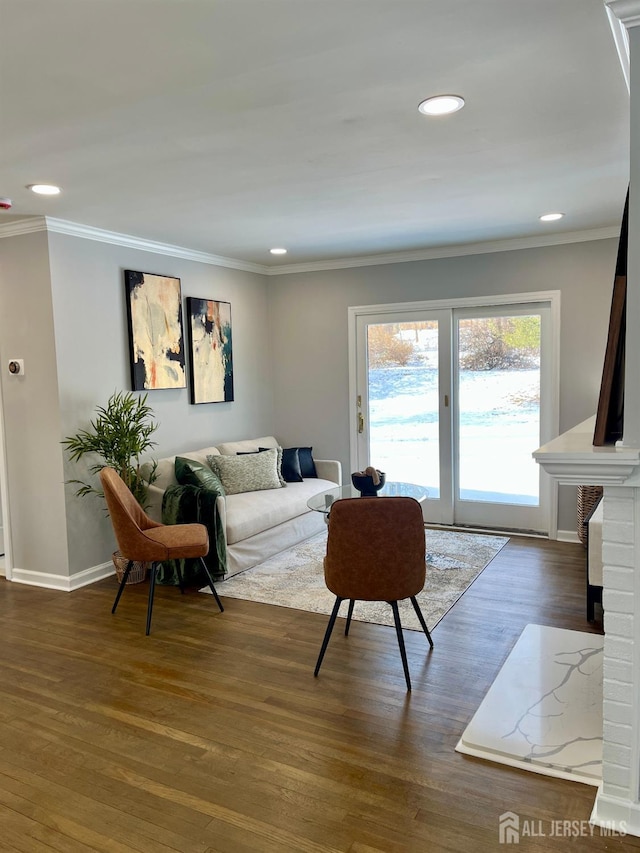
403, 399
403, 365
498, 368
499, 409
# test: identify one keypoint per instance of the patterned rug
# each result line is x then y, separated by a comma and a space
295, 578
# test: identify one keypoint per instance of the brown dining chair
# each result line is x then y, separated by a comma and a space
375, 552
141, 539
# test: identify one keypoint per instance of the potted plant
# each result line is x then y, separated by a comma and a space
118, 436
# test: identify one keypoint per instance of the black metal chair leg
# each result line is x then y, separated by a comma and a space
416, 607
327, 633
403, 652
152, 587
349, 615
122, 584
180, 577
211, 586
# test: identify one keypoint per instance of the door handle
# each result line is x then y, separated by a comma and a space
360, 423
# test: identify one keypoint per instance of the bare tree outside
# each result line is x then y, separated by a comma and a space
387, 347
499, 343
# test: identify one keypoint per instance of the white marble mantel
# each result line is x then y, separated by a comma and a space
571, 458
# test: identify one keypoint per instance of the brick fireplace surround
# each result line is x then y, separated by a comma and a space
571, 459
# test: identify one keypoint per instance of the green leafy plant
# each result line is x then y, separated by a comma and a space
119, 435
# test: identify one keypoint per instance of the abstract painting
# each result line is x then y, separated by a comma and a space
154, 312
209, 326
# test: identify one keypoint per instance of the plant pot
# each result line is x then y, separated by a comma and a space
365, 485
138, 571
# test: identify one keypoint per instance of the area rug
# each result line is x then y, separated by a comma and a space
295, 578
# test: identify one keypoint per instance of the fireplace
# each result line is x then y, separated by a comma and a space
572, 459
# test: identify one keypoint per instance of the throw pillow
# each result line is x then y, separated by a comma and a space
288, 464
307, 465
250, 473
283, 482
192, 473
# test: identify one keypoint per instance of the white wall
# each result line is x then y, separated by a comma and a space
309, 331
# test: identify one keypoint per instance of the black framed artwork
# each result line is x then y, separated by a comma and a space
210, 350
156, 344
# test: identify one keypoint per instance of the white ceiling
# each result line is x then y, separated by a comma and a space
232, 126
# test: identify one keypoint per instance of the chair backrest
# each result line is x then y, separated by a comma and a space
128, 518
375, 549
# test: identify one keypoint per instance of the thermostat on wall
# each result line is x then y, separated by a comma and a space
16, 366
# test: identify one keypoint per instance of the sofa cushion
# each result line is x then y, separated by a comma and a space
288, 464
165, 473
283, 482
166, 468
307, 465
291, 465
252, 512
190, 472
231, 448
250, 472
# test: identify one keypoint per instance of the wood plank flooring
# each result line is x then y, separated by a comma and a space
213, 735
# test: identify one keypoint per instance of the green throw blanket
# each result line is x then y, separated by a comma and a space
185, 505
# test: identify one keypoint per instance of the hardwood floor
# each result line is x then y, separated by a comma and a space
213, 735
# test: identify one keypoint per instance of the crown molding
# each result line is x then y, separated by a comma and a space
30, 225
88, 232
33, 224
450, 251
627, 11
621, 39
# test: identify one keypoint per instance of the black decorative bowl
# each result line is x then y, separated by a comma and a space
365, 485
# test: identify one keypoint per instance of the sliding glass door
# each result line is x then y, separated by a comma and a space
403, 422
457, 400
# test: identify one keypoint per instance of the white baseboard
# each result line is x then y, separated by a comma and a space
63, 582
568, 536
616, 816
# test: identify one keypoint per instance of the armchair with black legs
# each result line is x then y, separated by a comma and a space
375, 552
140, 538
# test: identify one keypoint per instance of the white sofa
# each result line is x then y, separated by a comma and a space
257, 524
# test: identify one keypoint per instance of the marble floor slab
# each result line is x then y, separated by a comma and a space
543, 712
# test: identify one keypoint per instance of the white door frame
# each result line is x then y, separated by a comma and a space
552, 297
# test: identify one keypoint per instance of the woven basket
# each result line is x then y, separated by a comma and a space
587, 498
138, 571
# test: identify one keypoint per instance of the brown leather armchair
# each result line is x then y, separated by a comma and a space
375, 552
140, 538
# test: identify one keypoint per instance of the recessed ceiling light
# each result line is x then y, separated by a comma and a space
44, 189
278, 251
441, 105
551, 217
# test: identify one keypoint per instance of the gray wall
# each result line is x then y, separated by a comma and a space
31, 412
62, 309
310, 343
93, 361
